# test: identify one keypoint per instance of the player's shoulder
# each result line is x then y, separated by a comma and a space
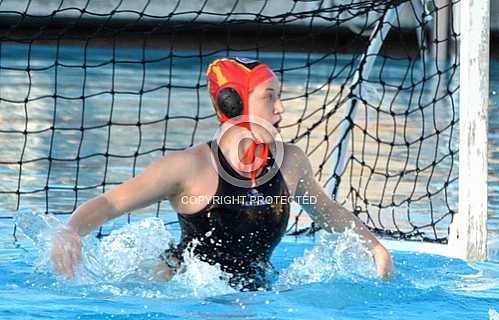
293, 153
295, 160
197, 155
294, 163
188, 160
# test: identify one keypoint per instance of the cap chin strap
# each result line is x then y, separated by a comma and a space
257, 162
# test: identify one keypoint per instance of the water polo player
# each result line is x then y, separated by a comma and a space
231, 194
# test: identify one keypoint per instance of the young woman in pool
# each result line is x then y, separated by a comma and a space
231, 194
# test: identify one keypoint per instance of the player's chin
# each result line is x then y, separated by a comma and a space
267, 138
272, 139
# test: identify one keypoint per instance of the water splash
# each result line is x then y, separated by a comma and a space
123, 262
38, 227
493, 314
130, 252
127, 252
334, 257
200, 278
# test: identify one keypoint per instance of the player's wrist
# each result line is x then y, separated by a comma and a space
68, 227
379, 249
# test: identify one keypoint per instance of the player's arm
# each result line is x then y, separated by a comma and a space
330, 215
161, 180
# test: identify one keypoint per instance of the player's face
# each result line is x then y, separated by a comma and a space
265, 103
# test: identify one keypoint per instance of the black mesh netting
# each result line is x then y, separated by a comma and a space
93, 91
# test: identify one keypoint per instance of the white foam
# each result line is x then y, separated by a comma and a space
334, 257
129, 253
200, 278
493, 314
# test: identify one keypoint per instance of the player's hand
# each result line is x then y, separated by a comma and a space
383, 260
66, 251
161, 272
167, 267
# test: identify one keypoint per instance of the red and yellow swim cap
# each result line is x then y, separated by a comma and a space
240, 74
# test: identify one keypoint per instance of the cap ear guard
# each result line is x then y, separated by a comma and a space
229, 102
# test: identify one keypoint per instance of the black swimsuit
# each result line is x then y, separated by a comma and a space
240, 236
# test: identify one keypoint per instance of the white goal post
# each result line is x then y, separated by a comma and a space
468, 232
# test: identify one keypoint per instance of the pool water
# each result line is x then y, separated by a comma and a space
325, 277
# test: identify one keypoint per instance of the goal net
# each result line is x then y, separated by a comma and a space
92, 92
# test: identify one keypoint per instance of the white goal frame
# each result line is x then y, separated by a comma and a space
468, 230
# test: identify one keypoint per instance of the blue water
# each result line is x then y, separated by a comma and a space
316, 281
321, 279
